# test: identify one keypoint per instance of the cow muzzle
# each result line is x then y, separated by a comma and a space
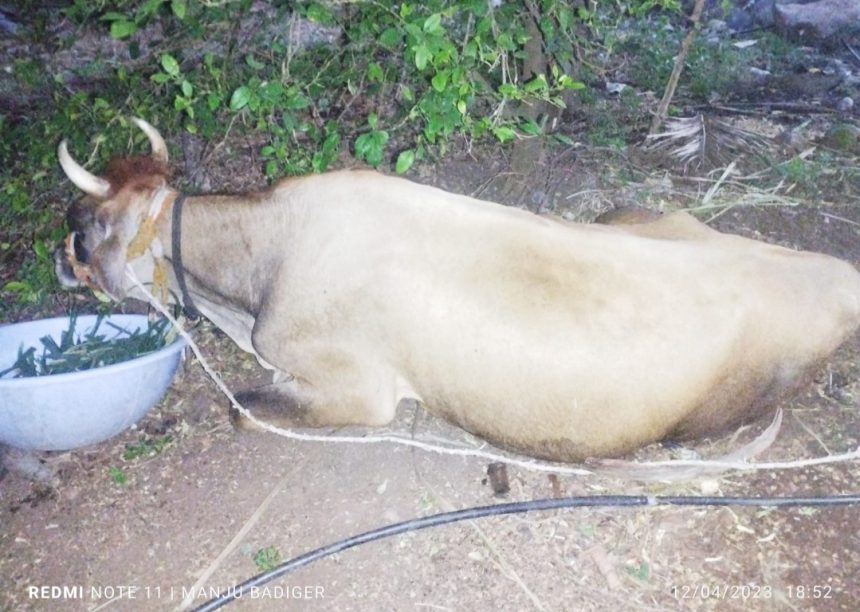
63, 269
73, 269
70, 263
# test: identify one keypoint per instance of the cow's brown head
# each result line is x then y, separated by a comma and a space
116, 223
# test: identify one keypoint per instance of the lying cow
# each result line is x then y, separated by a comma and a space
555, 339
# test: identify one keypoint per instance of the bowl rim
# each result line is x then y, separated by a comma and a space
178, 343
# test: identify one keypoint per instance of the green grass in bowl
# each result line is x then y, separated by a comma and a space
92, 350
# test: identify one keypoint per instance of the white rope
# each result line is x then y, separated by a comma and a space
745, 465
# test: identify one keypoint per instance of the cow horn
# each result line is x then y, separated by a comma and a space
83, 180
159, 148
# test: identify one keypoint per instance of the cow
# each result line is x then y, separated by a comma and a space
554, 339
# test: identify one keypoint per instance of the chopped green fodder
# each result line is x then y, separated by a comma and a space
90, 350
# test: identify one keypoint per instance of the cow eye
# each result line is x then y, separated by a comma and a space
101, 220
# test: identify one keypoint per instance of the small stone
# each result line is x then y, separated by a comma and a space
717, 25
709, 487
498, 473
739, 20
821, 22
759, 76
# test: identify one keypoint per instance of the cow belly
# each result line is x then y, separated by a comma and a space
569, 414
568, 383
566, 395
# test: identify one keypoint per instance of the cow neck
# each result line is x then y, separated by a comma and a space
176, 255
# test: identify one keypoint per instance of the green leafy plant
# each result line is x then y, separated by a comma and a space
267, 558
639, 571
117, 476
124, 24
371, 145
459, 75
184, 100
146, 447
803, 172
76, 353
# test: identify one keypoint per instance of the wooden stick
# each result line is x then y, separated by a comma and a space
663, 108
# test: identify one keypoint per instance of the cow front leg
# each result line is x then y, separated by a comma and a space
281, 403
297, 403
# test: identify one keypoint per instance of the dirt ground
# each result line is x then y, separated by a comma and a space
144, 545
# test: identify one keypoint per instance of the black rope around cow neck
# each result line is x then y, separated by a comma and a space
176, 255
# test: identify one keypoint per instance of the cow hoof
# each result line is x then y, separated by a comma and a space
240, 422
